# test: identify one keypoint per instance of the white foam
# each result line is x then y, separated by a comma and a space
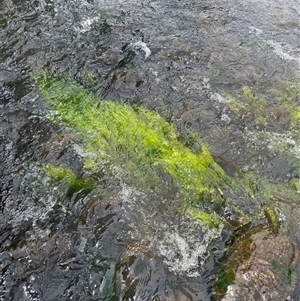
86, 24
142, 46
184, 253
284, 51
219, 98
283, 141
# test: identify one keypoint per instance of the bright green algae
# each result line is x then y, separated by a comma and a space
289, 98
135, 145
66, 175
254, 107
142, 149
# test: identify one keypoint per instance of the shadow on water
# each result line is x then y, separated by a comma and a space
210, 67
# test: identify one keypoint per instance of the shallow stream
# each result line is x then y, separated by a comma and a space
225, 70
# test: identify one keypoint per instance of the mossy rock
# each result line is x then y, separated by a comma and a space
248, 105
261, 267
295, 184
288, 96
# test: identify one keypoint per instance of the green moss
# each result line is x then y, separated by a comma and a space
295, 184
225, 278
67, 176
248, 105
212, 220
253, 100
273, 219
110, 284
133, 143
238, 254
251, 106
244, 219
294, 163
90, 78
289, 96
255, 186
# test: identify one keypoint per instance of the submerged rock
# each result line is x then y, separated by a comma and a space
265, 268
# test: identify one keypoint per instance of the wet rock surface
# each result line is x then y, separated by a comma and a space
268, 273
174, 57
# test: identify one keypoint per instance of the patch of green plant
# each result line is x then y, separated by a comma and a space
133, 143
212, 220
248, 105
255, 186
68, 177
243, 218
294, 163
253, 100
225, 278
238, 253
273, 219
289, 97
295, 184
110, 286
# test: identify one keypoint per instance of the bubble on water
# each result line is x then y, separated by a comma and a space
86, 24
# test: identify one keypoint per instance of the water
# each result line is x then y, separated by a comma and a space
179, 58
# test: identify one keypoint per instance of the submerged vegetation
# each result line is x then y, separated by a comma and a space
281, 106
141, 149
135, 145
289, 97
281, 110
248, 105
68, 177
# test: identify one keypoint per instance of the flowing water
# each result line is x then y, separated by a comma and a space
187, 60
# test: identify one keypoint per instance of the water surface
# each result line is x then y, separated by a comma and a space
179, 58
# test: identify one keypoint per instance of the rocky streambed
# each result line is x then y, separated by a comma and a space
206, 207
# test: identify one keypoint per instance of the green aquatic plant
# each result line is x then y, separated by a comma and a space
212, 220
67, 176
110, 284
135, 144
295, 184
294, 163
238, 253
254, 107
248, 105
225, 277
289, 97
273, 219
